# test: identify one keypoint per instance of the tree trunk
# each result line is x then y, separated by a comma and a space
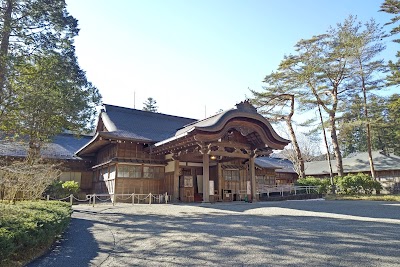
336, 148
5, 41
328, 156
33, 151
371, 161
4, 46
296, 148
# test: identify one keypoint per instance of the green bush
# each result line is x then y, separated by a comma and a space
26, 225
359, 183
71, 187
312, 181
60, 189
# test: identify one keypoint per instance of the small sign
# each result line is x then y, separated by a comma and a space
211, 188
188, 181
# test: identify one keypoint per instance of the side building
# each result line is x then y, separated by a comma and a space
387, 168
61, 151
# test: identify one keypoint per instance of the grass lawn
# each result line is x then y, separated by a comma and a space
364, 197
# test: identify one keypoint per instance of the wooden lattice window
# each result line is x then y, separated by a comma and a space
231, 175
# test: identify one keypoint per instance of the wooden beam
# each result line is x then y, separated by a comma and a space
220, 180
176, 181
234, 154
253, 179
230, 144
206, 178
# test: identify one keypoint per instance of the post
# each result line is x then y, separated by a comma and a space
94, 199
133, 198
253, 179
206, 178
113, 199
220, 181
176, 180
48, 197
166, 197
150, 195
71, 198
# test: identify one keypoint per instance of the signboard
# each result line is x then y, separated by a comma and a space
211, 188
188, 181
200, 183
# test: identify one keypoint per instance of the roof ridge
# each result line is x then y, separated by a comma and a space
219, 113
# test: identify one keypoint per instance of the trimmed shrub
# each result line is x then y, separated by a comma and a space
60, 189
359, 183
71, 187
26, 225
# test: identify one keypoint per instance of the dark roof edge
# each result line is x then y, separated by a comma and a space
144, 111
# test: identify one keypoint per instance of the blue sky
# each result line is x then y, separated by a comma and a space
198, 56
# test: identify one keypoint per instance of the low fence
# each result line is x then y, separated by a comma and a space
133, 198
290, 189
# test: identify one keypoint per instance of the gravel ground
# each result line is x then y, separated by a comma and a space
290, 233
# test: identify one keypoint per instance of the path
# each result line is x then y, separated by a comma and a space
290, 233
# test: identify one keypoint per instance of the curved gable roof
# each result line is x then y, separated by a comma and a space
244, 113
218, 122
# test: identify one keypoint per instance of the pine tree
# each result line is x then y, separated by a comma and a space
150, 105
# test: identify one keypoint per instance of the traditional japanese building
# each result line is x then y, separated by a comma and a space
135, 151
386, 165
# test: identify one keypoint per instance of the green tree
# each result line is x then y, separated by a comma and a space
321, 66
335, 66
42, 88
29, 28
150, 105
278, 102
384, 120
52, 94
393, 119
366, 68
351, 135
393, 7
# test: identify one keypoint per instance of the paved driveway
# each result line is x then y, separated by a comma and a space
290, 233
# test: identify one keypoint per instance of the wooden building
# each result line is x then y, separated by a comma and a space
61, 151
387, 168
142, 152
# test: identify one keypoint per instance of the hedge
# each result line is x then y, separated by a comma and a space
27, 225
323, 184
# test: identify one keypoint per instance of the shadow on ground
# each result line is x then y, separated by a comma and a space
239, 234
77, 247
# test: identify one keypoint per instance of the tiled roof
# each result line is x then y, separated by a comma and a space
63, 146
142, 125
357, 162
281, 165
243, 111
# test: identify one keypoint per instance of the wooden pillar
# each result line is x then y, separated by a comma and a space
206, 178
220, 181
175, 196
253, 179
